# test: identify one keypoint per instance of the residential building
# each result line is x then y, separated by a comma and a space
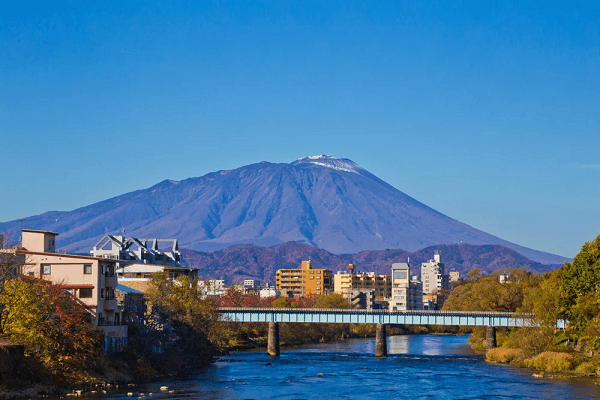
269, 292
251, 283
436, 284
138, 272
213, 287
137, 259
92, 280
132, 302
407, 294
304, 280
362, 299
454, 276
137, 251
345, 282
433, 276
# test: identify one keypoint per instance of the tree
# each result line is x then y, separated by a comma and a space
54, 328
333, 300
580, 283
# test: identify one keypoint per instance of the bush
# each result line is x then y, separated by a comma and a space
588, 367
551, 362
531, 341
502, 355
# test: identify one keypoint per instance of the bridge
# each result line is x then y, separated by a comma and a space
381, 318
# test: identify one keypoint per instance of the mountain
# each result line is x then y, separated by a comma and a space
330, 203
240, 262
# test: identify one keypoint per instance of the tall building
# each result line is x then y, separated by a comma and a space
304, 280
345, 282
407, 294
92, 280
433, 277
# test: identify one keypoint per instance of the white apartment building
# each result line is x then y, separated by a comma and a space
407, 294
432, 275
213, 287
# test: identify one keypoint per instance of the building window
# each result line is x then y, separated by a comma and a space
312, 277
85, 293
87, 269
46, 269
399, 274
102, 293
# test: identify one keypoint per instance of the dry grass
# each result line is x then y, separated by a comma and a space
550, 361
502, 355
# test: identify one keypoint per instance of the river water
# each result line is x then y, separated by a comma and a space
418, 367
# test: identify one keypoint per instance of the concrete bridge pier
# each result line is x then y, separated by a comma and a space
381, 341
490, 337
273, 339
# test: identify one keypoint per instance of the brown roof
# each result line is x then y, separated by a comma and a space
142, 286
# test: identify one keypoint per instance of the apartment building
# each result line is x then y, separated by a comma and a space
304, 280
407, 294
433, 276
345, 282
436, 283
92, 280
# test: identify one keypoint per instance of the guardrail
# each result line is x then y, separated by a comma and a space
411, 317
384, 312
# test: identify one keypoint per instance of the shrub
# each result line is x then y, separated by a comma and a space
550, 361
587, 367
502, 355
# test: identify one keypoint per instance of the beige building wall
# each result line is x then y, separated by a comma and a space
345, 282
91, 280
42, 241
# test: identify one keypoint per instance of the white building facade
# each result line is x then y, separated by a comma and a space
433, 275
407, 294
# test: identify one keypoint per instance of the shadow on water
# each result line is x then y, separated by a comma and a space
418, 366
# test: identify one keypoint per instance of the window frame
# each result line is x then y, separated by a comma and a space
85, 269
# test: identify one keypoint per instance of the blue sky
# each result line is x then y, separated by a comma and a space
487, 112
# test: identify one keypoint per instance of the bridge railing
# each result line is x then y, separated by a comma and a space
376, 312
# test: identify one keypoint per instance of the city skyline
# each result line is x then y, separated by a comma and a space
486, 114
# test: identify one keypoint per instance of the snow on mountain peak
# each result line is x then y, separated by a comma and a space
323, 160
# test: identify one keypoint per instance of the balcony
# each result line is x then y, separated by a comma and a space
110, 304
110, 281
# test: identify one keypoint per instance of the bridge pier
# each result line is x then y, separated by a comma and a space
490, 337
273, 339
381, 341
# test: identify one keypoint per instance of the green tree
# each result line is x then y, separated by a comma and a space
333, 300
580, 285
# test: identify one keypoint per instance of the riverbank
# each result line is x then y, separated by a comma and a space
417, 366
549, 364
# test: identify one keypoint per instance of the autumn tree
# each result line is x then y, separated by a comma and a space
184, 325
54, 328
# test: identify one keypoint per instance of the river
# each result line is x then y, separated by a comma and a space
418, 367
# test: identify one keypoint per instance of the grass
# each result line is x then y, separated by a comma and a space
502, 355
551, 361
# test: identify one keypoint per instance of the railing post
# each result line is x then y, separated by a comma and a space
381, 341
490, 338
273, 339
